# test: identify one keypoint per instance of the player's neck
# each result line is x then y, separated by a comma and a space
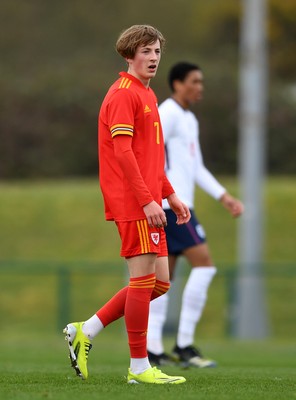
182, 103
143, 80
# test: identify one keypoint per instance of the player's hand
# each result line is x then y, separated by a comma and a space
234, 206
155, 215
180, 209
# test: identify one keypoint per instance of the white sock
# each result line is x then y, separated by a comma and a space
157, 317
193, 302
139, 365
92, 327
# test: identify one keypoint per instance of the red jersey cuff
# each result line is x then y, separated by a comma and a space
167, 188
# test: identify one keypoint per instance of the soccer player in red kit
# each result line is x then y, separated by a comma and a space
133, 183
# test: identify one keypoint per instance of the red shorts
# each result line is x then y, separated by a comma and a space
138, 238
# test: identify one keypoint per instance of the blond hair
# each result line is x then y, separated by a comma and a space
137, 35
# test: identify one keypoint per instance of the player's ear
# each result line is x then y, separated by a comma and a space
177, 85
129, 61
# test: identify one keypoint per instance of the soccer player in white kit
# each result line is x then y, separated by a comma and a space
185, 169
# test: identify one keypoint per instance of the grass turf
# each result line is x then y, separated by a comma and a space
32, 368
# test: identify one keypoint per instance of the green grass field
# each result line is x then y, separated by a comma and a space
59, 260
38, 368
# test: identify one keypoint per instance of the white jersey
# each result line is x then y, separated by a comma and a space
184, 161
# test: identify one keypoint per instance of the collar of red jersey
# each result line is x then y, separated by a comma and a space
132, 78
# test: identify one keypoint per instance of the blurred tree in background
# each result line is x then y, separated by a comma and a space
58, 60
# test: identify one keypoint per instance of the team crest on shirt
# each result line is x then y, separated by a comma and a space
155, 238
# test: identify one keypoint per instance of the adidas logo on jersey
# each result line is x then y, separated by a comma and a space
147, 109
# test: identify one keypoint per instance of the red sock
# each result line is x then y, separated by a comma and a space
160, 288
136, 313
114, 308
